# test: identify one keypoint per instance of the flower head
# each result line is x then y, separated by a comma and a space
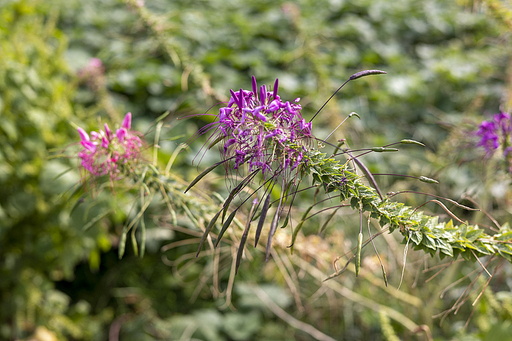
488, 133
105, 153
494, 132
263, 131
93, 74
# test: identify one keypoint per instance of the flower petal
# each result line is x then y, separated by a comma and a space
83, 135
121, 133
127, 121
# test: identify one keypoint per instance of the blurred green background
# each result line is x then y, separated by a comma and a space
449, 66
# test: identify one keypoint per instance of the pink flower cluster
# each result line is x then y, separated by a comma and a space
104, 151
93, 69
93, 74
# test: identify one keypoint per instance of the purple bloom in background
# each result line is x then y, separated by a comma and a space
496, 133
103, 152
503, 122
262, 131
488, 132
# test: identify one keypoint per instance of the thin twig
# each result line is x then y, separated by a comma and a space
292, 321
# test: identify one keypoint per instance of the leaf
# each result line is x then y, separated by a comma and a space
504, 248
473, 235
445, 248
416, 237
429, 242
316, 178
504, 236
240, 326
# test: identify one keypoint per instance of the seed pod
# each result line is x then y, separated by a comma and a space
358, 252
428, 180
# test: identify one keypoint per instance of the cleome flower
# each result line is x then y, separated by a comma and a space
495, 132
262, 131
93, 74
105, 152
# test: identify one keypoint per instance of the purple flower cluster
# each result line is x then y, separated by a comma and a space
261, 130
495, 132
104, 151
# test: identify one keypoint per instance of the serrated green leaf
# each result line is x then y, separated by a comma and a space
474, 235
416, 237
429, 242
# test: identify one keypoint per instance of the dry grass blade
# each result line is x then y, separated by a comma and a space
292, 321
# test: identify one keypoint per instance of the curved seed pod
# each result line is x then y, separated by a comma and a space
216, 141
225, 226
383, 149
366, 73
407, 141
273, 228
235, 191
285, 221
263, 215
244, 238
366, 171
202, 175
428, 180
358, 252
207, 231
299, 227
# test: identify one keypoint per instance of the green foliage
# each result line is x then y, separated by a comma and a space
424, 231
41, 241
57, 275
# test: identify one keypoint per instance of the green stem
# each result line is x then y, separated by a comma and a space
425, 232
